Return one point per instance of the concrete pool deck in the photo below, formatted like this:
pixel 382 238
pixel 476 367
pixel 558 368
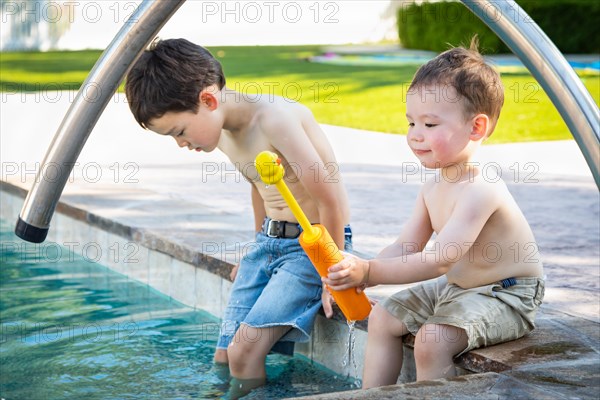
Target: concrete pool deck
pixel 139 187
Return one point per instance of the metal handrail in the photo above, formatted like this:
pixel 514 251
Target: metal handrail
pixel 93 96
pixel 550 68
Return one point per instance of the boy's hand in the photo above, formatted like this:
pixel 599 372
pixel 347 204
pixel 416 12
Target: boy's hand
pixel 350 272
pixel 328 301
pixel 234 271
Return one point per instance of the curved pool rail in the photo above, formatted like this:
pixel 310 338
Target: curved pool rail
pixel 550 68
pixel 93 96
pixel 505 18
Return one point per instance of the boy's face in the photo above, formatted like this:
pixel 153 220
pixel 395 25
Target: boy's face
pixel 438 133
pixel 200 131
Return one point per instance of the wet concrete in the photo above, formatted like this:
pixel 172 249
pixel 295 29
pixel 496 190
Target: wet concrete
pixel 195 207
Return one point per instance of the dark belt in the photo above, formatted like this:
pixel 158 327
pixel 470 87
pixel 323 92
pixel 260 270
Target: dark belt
pixel 281 229
pixel 508 282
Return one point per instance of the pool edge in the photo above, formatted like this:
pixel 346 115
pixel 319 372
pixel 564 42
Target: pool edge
pixel 169 267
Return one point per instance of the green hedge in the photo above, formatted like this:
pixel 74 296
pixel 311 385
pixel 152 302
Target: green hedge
pixel 571 24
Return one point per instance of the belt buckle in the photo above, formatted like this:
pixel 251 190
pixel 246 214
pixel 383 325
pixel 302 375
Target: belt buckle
pixel 268 233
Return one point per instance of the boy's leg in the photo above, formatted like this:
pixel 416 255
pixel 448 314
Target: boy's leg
pixel 250 281
pixel 484 316
pixel 383 355
pixel 249 348
pixel 290 296
pixel 289 300
pixel 221 356
pixel 435 348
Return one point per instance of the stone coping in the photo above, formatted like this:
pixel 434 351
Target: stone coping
pixel 144 237
pixel 558 339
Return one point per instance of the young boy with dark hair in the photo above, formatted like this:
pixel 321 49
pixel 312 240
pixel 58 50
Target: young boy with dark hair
pixel 482 272
pixel 178 89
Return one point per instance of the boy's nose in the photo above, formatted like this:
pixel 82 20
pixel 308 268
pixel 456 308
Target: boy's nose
pixel 415 136
pixel 181 143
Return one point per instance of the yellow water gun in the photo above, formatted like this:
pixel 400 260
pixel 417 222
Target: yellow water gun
pixel 314 239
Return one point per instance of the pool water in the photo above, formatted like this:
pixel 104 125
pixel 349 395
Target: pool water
pixel 74 329
pixel 406 57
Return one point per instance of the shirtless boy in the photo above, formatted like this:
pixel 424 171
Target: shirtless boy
pixel 177 89
pixel 482 270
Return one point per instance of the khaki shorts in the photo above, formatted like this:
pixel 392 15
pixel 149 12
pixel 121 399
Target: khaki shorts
pixel 489 314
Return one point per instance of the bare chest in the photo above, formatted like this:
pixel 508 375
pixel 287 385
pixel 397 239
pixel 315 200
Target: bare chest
pixel 440 203
pixel 242 150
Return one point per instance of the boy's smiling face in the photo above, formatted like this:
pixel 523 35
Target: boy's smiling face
pixel 438 134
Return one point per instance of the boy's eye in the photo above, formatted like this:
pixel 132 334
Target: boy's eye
pixel 180 133
pixel 430 125
pixel 411 124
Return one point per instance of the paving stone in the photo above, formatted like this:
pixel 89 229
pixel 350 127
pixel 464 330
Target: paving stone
pixel 550 341
pixel 573 379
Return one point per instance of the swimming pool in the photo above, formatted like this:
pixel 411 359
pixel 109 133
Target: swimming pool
pixel 504 63
pixel 72 329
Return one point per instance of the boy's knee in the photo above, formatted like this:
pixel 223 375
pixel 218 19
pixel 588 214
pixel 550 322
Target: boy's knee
pixel 237 355
pixel 425 353
pixel 378 317
pixel 237 351
pixel 380 320
pixel 241 355
pixel 434 341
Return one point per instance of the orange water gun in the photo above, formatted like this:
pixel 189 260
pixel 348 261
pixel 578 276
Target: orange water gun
pixel 314 239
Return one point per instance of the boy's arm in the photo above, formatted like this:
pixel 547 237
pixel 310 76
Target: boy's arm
pixel 413 239
pixel 289 138
pixel 258 206
pixel 472 211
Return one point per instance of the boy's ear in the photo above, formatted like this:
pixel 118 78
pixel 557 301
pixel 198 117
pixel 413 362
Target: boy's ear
pixel 208 99
pixel 480 127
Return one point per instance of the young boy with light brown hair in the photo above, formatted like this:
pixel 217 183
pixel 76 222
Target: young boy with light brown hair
pixel 481 274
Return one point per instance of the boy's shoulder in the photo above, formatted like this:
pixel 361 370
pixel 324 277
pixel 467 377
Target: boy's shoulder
pixel 280 122
pixel 271 115
pixel 277 124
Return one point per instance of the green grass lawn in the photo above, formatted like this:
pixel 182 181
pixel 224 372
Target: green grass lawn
pixel 369 98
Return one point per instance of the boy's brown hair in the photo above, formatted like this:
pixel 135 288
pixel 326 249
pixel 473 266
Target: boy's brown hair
pixel 476 82
pixel 169 76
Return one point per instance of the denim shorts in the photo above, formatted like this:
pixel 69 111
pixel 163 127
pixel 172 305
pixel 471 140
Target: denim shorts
pixel 489 314
pixel 276 285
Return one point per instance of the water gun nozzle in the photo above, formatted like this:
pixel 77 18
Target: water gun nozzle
pixel 269 167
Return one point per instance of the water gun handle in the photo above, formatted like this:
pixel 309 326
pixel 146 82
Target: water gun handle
pixel 323 253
